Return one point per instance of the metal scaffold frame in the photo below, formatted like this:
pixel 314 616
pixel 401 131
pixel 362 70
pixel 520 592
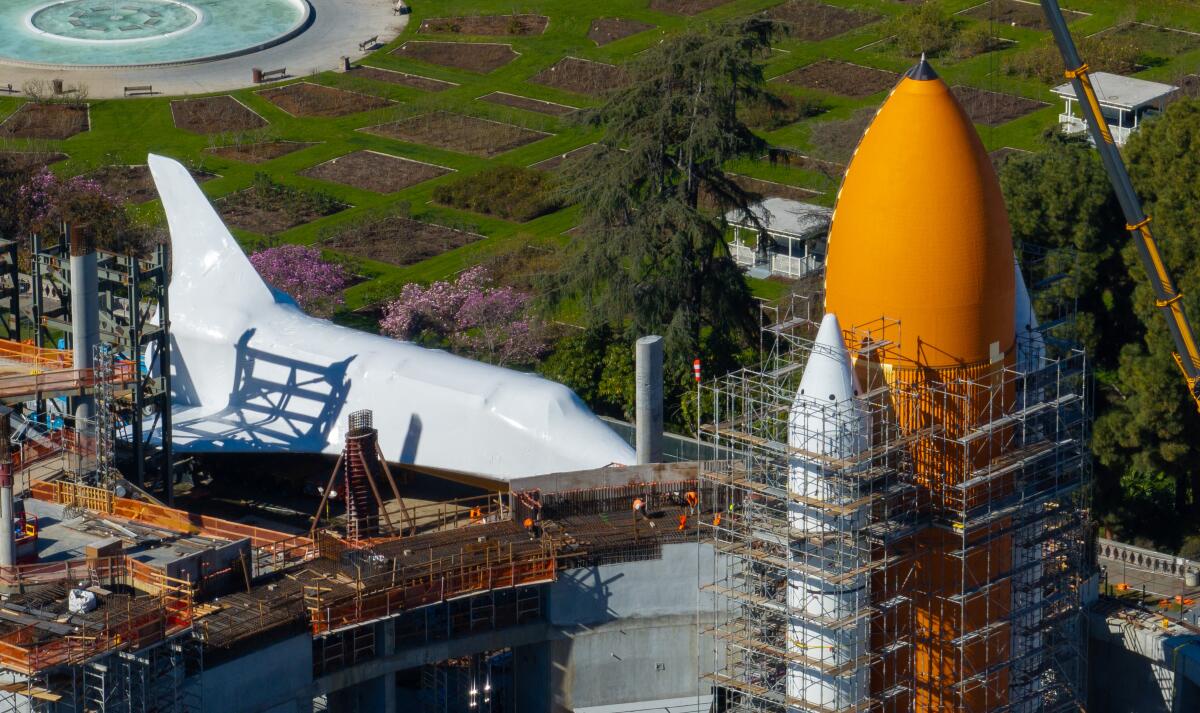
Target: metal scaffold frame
pixel 953 593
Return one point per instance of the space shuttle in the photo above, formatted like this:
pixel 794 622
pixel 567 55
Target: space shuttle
pixel 251 372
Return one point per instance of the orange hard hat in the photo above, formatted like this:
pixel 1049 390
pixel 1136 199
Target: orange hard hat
pixel 637 503
pixel 690 496
pixel 528 522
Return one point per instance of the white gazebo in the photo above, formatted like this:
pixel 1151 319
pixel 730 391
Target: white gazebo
pixel 795 235
pixel 1124 102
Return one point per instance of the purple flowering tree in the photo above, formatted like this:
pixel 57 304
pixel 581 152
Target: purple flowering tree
pixel 469 316
pixel 300 271
pixel 47 202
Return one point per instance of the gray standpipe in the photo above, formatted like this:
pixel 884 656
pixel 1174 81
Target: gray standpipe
pixel 8 546
pixel 85 312
pixel 649 418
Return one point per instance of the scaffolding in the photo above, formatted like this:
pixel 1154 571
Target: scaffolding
pixel 938 567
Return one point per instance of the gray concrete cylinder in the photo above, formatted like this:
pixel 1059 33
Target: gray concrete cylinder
pixel 648 354
pixel 85 313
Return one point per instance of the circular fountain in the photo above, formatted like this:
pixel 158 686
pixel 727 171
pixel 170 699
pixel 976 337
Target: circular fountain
pixel 129 33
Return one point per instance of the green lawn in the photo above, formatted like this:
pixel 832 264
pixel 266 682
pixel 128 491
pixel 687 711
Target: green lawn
pixel 123 131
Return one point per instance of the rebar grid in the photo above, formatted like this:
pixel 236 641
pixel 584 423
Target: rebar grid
pixel 963 533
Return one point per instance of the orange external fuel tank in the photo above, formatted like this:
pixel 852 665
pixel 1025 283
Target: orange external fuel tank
pixel 920 261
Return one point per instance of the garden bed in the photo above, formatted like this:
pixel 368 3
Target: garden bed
pixel 471 56
pixel 686 7
pixel 459 133
pixel 134 184
pixel 1017 13
pixel 399 241
pixel 214 115
pixel 268 208
pixel 37 120
pixel 795 159
pixel 536 105
pixel 259 152
pixel 812 21
pixel 507 192
pixel 844 78
pixel 1155 45
pixel 582 76
pixel 993 108
pixel 412 81
pixel 487 25
pixel 610 29
pixel 29 160
pixel 374 171
pixel 836 140
pixel 309 100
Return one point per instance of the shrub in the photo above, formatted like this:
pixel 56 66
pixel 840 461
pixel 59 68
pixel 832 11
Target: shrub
pixel 772 111
pixel 974 40
pixel 269 194
pixel 314 283
pixel 508 192
pixel 1104 53
pixel 925 28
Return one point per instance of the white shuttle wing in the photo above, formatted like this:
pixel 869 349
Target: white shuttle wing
pixel 251 372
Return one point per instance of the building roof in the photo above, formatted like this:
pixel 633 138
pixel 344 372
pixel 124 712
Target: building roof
pixel 920 233
pixel 1121 92
pixel 785 216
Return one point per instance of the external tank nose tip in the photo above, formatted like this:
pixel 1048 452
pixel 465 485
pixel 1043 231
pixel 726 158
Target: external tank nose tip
pixel 921 71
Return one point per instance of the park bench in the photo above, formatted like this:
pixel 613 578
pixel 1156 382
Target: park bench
pixel 139 89
pixel 269 74
pixel 8 88
pixel 368 43
pixel 401 8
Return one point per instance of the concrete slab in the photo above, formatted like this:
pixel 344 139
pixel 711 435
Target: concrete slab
pixel 337 28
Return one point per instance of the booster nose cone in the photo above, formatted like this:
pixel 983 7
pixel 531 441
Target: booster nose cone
pixel 920 233
pixel 826 418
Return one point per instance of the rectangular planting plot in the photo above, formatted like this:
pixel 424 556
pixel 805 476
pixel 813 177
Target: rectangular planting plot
pixel 457 132
pixel 268 207
pixel 582 76
pixel 554 163
pixel 611 29
pixel 133 184
pixel 487 25
pixel 1018 13
pixel 46 121
pixel 519 102
pixel 993 108
pixel 214 115
pixel 471 56
pixel 413 81
pixel 812 21
pixel 399 241
pixel 837 77
pixel 685 7
pixel 1155 44
pixel 27 160
pixel 375 172
pixel 260 152
pixel 305 99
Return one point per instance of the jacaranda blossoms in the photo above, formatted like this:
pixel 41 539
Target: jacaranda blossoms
pixel 313 282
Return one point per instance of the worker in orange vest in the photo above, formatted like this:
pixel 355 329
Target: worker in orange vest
pixel 639 508
pixel 692 500
pixel 531 527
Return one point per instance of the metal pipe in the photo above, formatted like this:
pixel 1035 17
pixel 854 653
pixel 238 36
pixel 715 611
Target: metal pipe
pixel 85 313
pixel 8 545
pixel 648 353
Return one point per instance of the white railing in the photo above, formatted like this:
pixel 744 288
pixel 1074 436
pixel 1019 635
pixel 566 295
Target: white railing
pixel 1144 559
pixel 1074 125
pixel 742 255
pixel 793 266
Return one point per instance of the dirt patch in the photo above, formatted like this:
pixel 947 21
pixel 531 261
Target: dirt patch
pixel 260 152
pixel 685 7
pixel 813 21
pixel 133 184
pixel 555 163
pixel 413 81
pixel 214 115
pixel 610 29
pixel 836 140
pixel 35 120
pixel 471 56
pixel 766 189
pixel 831 75
pixel 1155 45
pixel 1189 86
pixel 582 76
pixel 268 208
pixel 376 172
pixel 457 132
pixel 29 160
pixel 537 105
pixel 305 99
pixel 397 240
pixel 1016 12
pixel 487 25
pixel 993 108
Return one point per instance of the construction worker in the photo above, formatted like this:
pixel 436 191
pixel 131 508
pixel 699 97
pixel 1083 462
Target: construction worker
pixel 639 508
pixel 692 500
pixel 532 528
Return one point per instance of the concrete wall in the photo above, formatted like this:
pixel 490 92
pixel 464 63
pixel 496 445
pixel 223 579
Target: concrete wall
pixel 1138 669
pixel 274 679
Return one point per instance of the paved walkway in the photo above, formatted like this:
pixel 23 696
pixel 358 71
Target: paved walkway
pixel 337 28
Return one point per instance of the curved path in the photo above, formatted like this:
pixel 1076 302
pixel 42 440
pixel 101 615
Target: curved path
pixel 337 28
